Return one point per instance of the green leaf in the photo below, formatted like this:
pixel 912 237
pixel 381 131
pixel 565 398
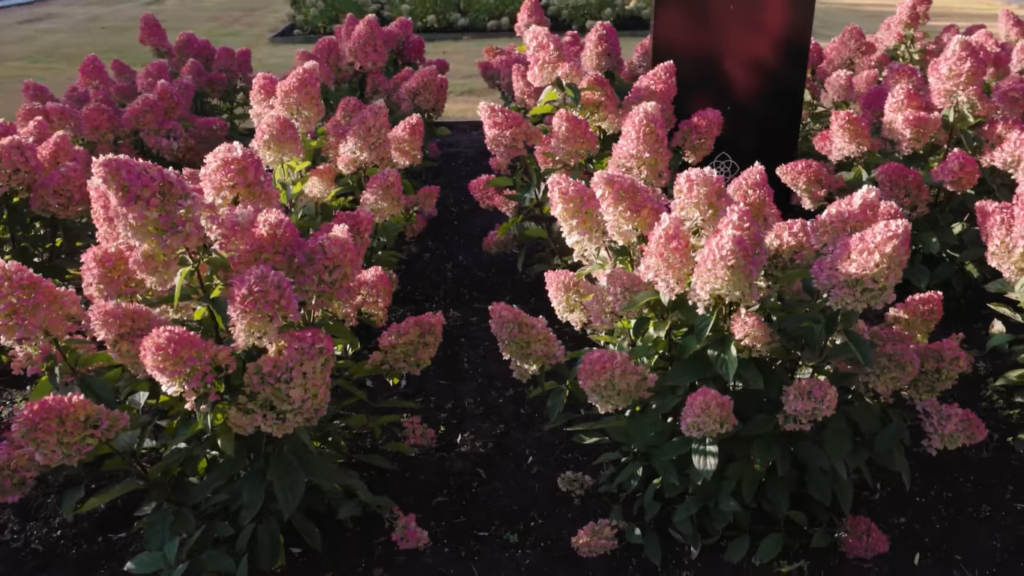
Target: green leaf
pixel 116 491
pixel 254 489
pixel 1012 378
pixel 652 547
pixel 838 440
pixel 158 529
pixel 289 482
pixel 918 275
pixel 997 340
pixel 821 538
pixel 268 544
pixel 769 548
pixel 1006 311
pixel 705 456
pixel 41 390
pixel 310 533
pixel 98 390
pixel 726 503
pixel 799 517
pixel 556 402
pixel 639 300
pixel 889 438
pixel 723 357
pixel 748 374
pixel 243 566
pixel 501 182
pixel 541 110
pixel 442 131
pixel 704 324
pixel 180 569
pixel 215 561
pixel 226 440
pixel 737 549
pixel 146 563
pixel 242 542
pixel 861 347
pixel 375 460
pixel 820 486
pixel 70 499
pixel 688 370
pixel 999 286
pixel 844 493
pixel 179 281
pixel 758 425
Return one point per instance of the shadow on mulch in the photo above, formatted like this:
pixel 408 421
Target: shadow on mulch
pixel 488 494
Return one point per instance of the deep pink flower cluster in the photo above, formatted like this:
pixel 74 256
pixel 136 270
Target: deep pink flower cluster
pixel 184 363
pixel 569 142
pixel 667 260
pixel 700 199
pixel 848 137
pixel 578 212
pixel 260 301
pixel 569 295
pixel 233 175
pixel 629 207
pixel 18 472
pixel 941 363
pixel 507 134
pixel 408 346
pixel 730 262
pixel 751 189
pixel 859 537
pixel 61 430
pixel 642 150
pixel 601 50
pixel 121 326
pixel 895 362
pixel 753 335
pixel 596 539
pixel 811 182
pixel 852 214
pixel 525 341
pixel 948 426
pixel 612 381
pixel 383 196
pixel 917 315
pixel 1001 225
pixel 707 414
pixel 806 401
pixel 52 175
pixel 530 14
pixel 657 86
pixel 417 433
pixel 287 388
pixel 407 534
pixel 959 172
pixel 905 187
pixel 33 312
pixel 863 269
pixel 696 135
pixel 491 197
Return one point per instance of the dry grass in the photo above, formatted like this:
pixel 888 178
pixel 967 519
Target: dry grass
pixel 46 41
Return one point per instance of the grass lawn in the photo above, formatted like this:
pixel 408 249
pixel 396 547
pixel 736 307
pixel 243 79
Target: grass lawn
pixel 47 41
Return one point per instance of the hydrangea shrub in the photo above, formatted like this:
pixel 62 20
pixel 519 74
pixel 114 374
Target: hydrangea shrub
pixel 931 121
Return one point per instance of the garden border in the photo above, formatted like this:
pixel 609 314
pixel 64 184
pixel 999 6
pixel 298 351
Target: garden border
pixel 285 35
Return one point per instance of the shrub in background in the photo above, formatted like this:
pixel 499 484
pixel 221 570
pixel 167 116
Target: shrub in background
pixel 173 111
pixel 320 16
pixel 934 123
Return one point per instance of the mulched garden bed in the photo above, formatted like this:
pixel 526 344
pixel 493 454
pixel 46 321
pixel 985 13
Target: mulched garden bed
pixel 488 494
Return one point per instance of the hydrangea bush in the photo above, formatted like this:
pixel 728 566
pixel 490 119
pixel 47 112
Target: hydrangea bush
pixel 749 370
pixel 933 122
pixel 215 367
pixel 173 111
pixel 575 112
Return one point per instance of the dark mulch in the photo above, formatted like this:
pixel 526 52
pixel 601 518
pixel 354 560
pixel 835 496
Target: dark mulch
pixel 488 495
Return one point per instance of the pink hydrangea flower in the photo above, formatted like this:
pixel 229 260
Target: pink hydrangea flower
pixel 578 212
pixel 917 315
pixel 568 294
pixel 838 88
pixel 409 346
pixel 731 260
pixel 406 142
pixel 490 197
pixel 1011 27
pixel 18 471
pixel 262 96
pixel 248 237
pixel 383 196
pixel 696 135
pixel 332 258
pixel 700 198
pixel 790 244
pixel 860 538
pixel 277 140
pixel 234 175
pixel 374 291
pixel 153 36
pixel 287 388
pixel 298 97
pixel 811 181
pixel 942 362
pixel 32 309
pixel 19 165
pixel 525 341
pixel 948 426
pixel 612 381
pixel 642 59
pixel 61 430
pixel 121 326
pixel 1008 155
pixel 850 136
pixel 851 214
pixel 320 184
pixel 497 242
pixel 61 191
pixel 425 92
pixel 657 86
pixel 596 539
pixel 366 46
pixel 544 51
pixel 34 92
pixel 260 301
pixel 806 401
pixel 417 433
pixel 896 362
pixel 751 189
pixel 957 76
pixel 905 187
pixel 753 335
pixel 601 50
pixel 667 260
pixel 629 208
pixel 619 286
pixel 107 274
pixel 530 14
pixel 507 134
pixel 1001 225
pixel 569 142
pixel 642 150
pixel 526 94
pixel 863 269
pixel 184 363
pixel 959 172
pixel 707 414
pixel 364 142
pixel 599 104
pixel 407 534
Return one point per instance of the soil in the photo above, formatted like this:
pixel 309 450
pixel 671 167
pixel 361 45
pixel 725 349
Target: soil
pixel 487 493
